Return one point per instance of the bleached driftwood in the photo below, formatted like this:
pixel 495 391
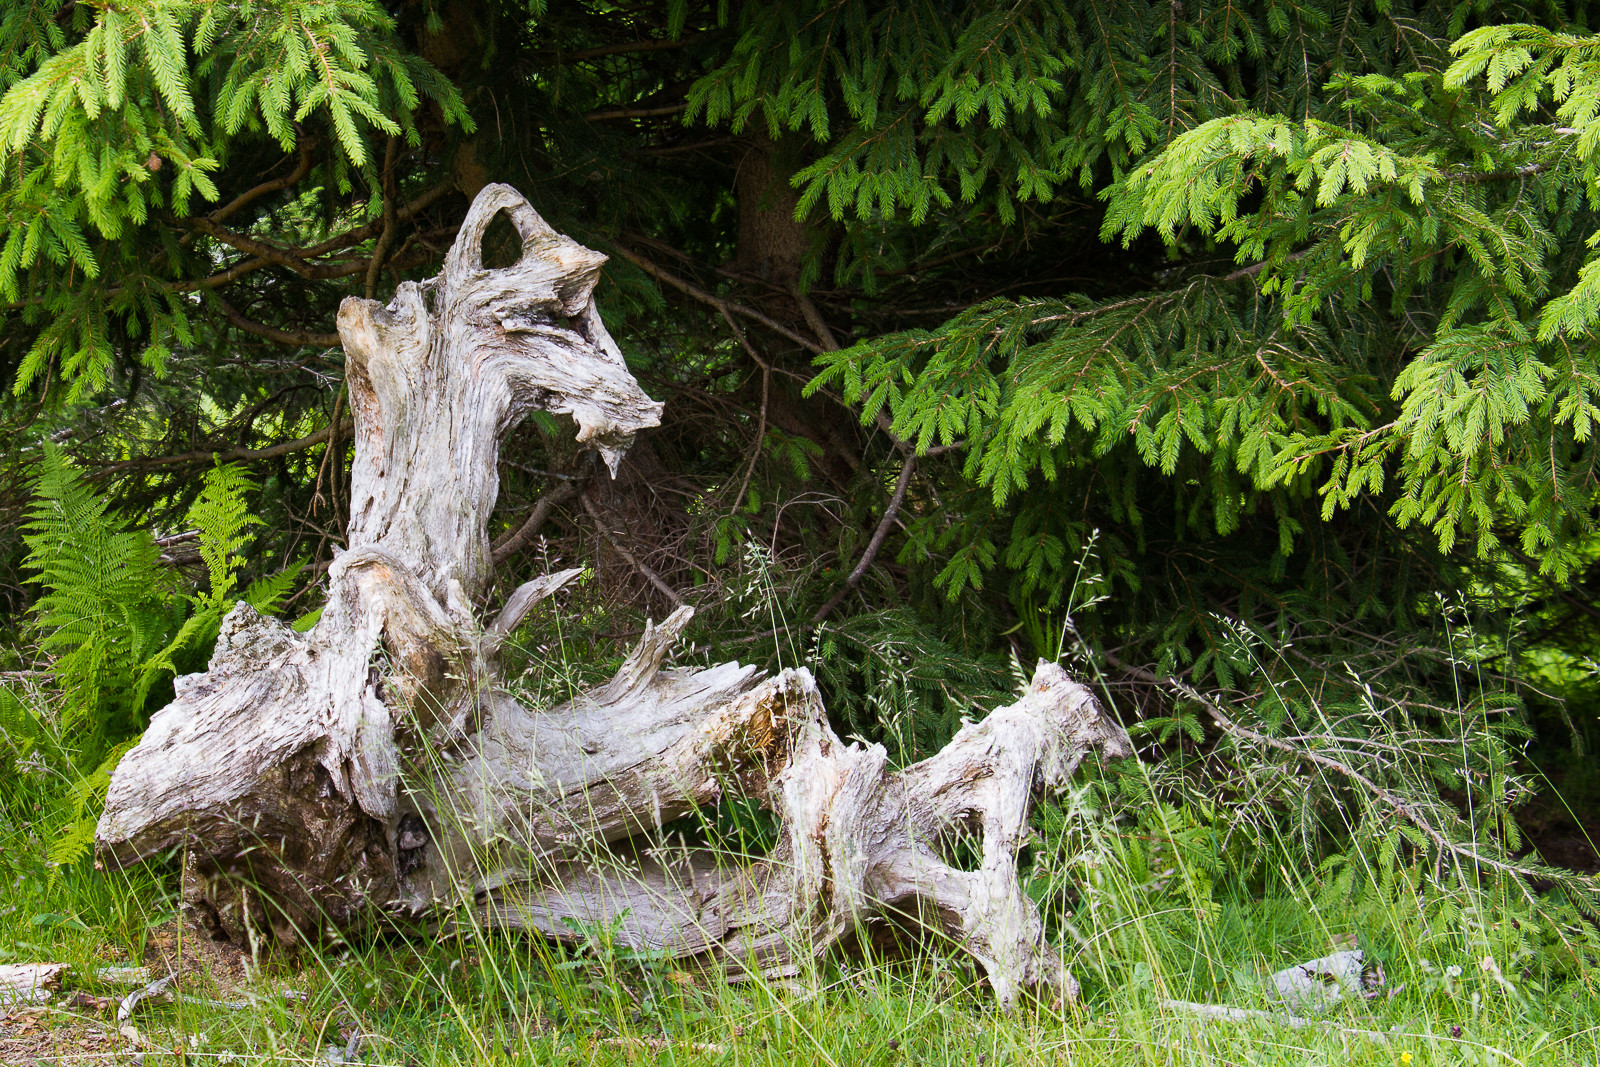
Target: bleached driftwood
pixel 26 984
pixel 860 843
pixel 376 767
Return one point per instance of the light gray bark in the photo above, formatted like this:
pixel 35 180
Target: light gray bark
pixel 376 768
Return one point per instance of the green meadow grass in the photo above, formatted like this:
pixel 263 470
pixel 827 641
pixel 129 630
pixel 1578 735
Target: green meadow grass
pixel 482 996
pixel 1148 903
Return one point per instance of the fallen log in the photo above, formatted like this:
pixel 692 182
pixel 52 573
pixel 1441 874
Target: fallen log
pixel 377 769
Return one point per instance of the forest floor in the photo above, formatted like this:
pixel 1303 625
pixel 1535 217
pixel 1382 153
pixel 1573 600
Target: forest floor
pixel 481 997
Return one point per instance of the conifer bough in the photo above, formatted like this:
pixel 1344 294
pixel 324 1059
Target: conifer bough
pixel 376 768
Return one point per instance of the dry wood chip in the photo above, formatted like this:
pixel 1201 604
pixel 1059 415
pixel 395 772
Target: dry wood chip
pixel 28 983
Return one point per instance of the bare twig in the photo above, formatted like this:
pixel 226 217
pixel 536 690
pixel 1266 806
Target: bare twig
pixel 635 112
pixel 661 274
pixel 908 468
pixel 908 460
pixel 1403 806
pixel 380 249
pixel 327 453
pixel 681 149
pixel 637 564
pixel 766 386
pixel 176 539
pixel 513 542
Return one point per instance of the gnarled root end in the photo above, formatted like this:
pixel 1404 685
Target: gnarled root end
pixel 861 845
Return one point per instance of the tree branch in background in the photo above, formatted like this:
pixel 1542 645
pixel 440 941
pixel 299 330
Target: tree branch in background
pixel 635 112
pixel 629 48
pixel 682 149
pixel 221 455
pixel 380 249
pixel 514 542
pixel 273 333
pixel 342 241
pixel 267 253
pixel 815 320
pixel 639 565
pixel 879 535
pixel 302 167
pixel 661 274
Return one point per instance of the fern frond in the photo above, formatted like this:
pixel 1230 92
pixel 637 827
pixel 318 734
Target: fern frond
pixel 222 516
pixel 266 594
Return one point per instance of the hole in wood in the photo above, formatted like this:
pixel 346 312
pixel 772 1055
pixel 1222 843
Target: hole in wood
pixel 960 845
pixel 738 826
pixel 502 245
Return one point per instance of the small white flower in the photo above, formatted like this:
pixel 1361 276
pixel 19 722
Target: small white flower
pixel 1452 971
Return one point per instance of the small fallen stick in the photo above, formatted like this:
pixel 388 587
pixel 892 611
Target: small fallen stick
pixel 661 1044
pixel 159 988
pixel 1229 1013
pixel 25 984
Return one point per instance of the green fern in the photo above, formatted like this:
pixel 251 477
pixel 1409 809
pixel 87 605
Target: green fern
pixel 80 810
pixel 222 517
pixel 19 726
pixel 108 605
pixel 115 624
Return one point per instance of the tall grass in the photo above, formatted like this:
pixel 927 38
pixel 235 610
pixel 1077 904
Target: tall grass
pixel 1152 896
pixel 477 994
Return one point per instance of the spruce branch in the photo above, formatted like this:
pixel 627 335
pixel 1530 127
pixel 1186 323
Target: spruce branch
pixel 689 288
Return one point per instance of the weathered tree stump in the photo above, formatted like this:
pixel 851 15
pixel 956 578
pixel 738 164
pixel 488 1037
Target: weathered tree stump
pixel 375 768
